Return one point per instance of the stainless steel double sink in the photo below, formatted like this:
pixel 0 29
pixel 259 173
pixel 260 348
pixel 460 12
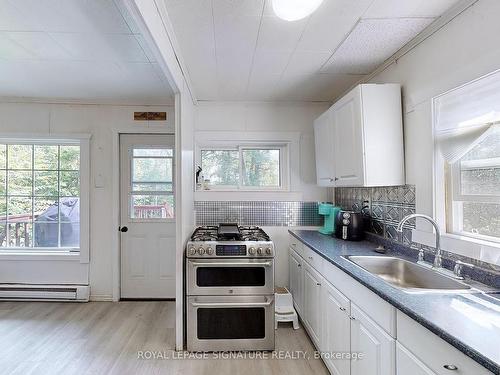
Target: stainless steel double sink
pixel 408 276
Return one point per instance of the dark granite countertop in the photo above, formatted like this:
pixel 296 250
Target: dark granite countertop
pixel 469 321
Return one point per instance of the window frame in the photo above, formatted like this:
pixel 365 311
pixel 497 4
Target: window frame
pixel 82 140
pixel 284 164
pixel 453 203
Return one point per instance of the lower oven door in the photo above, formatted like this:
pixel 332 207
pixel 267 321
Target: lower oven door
pixel 226 276
pixel 227 323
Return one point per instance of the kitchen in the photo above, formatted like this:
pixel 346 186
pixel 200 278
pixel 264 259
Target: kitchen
pixel 301 129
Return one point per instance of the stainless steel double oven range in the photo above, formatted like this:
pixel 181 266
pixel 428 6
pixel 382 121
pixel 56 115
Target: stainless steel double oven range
pixel 230 289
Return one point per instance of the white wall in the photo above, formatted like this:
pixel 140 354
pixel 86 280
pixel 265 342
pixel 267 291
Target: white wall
pixel 463 50
pixel 270 117
pixel 97 120
pixel 275 118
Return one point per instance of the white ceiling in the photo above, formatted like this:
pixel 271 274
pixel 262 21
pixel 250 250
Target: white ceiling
pixel 76 49
pixel 239 50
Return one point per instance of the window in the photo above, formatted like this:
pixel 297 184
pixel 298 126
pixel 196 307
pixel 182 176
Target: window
pixel 244 167
pixel 467 133
pixel 40 195
pixel 474 182
pixel 151 186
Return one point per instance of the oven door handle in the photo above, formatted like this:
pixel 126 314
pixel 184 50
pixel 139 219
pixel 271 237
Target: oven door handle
pixel 268 302
pixel 223 264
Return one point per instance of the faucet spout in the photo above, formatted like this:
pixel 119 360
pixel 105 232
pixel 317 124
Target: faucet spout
pixel 437 259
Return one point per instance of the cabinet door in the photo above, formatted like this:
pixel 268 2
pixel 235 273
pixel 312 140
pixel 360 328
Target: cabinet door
pixel 324 143
pixel 408 364
pixel 312 304
pixel 348 150
pixel 336 335
pixel 376 346
pixel 296 280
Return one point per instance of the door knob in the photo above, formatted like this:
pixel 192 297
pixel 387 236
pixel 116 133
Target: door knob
pixel 123 229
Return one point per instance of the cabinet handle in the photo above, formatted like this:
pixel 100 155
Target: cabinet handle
pixel 451 367
pixel 342 308
pixel 310 258
pixel 294 244
pixel 352 317
pixel 318 284
pixel 336 178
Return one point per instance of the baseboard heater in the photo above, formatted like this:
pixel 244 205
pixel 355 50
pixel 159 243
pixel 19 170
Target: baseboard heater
pixel 37 292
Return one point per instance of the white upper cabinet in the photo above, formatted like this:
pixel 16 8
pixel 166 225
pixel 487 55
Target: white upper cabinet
pixel 359 140
pixel 324 139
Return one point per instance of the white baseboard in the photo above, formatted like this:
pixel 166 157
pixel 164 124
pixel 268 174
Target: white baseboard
pixel 101 298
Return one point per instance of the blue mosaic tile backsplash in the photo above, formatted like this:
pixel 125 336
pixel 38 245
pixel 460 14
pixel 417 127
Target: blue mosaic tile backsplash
pixel 262 213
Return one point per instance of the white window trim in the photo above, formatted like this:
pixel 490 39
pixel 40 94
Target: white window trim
pixel 83 252
pixel 287 142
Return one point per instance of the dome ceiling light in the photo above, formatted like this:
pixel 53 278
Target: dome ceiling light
pixel 293 10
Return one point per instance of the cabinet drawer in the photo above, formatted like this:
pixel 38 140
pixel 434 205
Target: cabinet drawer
pixel 296 245
pixel 433 351
pixel 314 259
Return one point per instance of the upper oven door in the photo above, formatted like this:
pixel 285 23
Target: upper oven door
pixel 230 276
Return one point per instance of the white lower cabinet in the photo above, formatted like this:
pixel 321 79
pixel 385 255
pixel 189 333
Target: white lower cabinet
pixel 376 346
pixel 341 316
pixel 296 280
pixel 335 311
pixel 312 303
pixel 408 364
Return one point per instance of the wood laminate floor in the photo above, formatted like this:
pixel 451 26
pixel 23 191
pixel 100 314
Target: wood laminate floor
pixel 110 338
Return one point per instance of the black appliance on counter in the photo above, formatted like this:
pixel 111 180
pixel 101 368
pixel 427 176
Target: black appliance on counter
pixel 349 225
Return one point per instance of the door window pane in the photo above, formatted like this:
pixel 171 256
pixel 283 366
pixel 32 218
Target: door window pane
pixel 153 152
pixel 3 156
pixel 152 187
pixel 220 167
pixel 261 168
pixel 3 175
pixel 152 170
pixel 152 207
pixel 69 183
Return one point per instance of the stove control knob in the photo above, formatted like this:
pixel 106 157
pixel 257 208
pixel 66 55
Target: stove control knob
pixel 209 250
pixel 192 250
pixel 251 251
pixel 201 251
pixel 268 251
pixel 259 251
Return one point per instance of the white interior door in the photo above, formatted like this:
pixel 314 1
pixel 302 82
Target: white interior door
pixel 147 216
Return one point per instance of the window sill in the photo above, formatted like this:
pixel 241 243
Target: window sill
pixel 239 195
pixel 39 255
pixel 482 250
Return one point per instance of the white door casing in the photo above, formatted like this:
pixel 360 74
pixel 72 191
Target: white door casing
pixel 147 216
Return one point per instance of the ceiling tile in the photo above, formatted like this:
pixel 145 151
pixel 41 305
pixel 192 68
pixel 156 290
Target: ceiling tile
pixel 268 62
pixel 86 46
pixel 71 15
pixel 408 8
pixel 262 87
pixel 238 7
pixel 372 42
pixel 40 44
pixel 330 24
pixel 278 35
pixel 306 62
pixel 315 87
pixel 10 50
pixel 236 33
